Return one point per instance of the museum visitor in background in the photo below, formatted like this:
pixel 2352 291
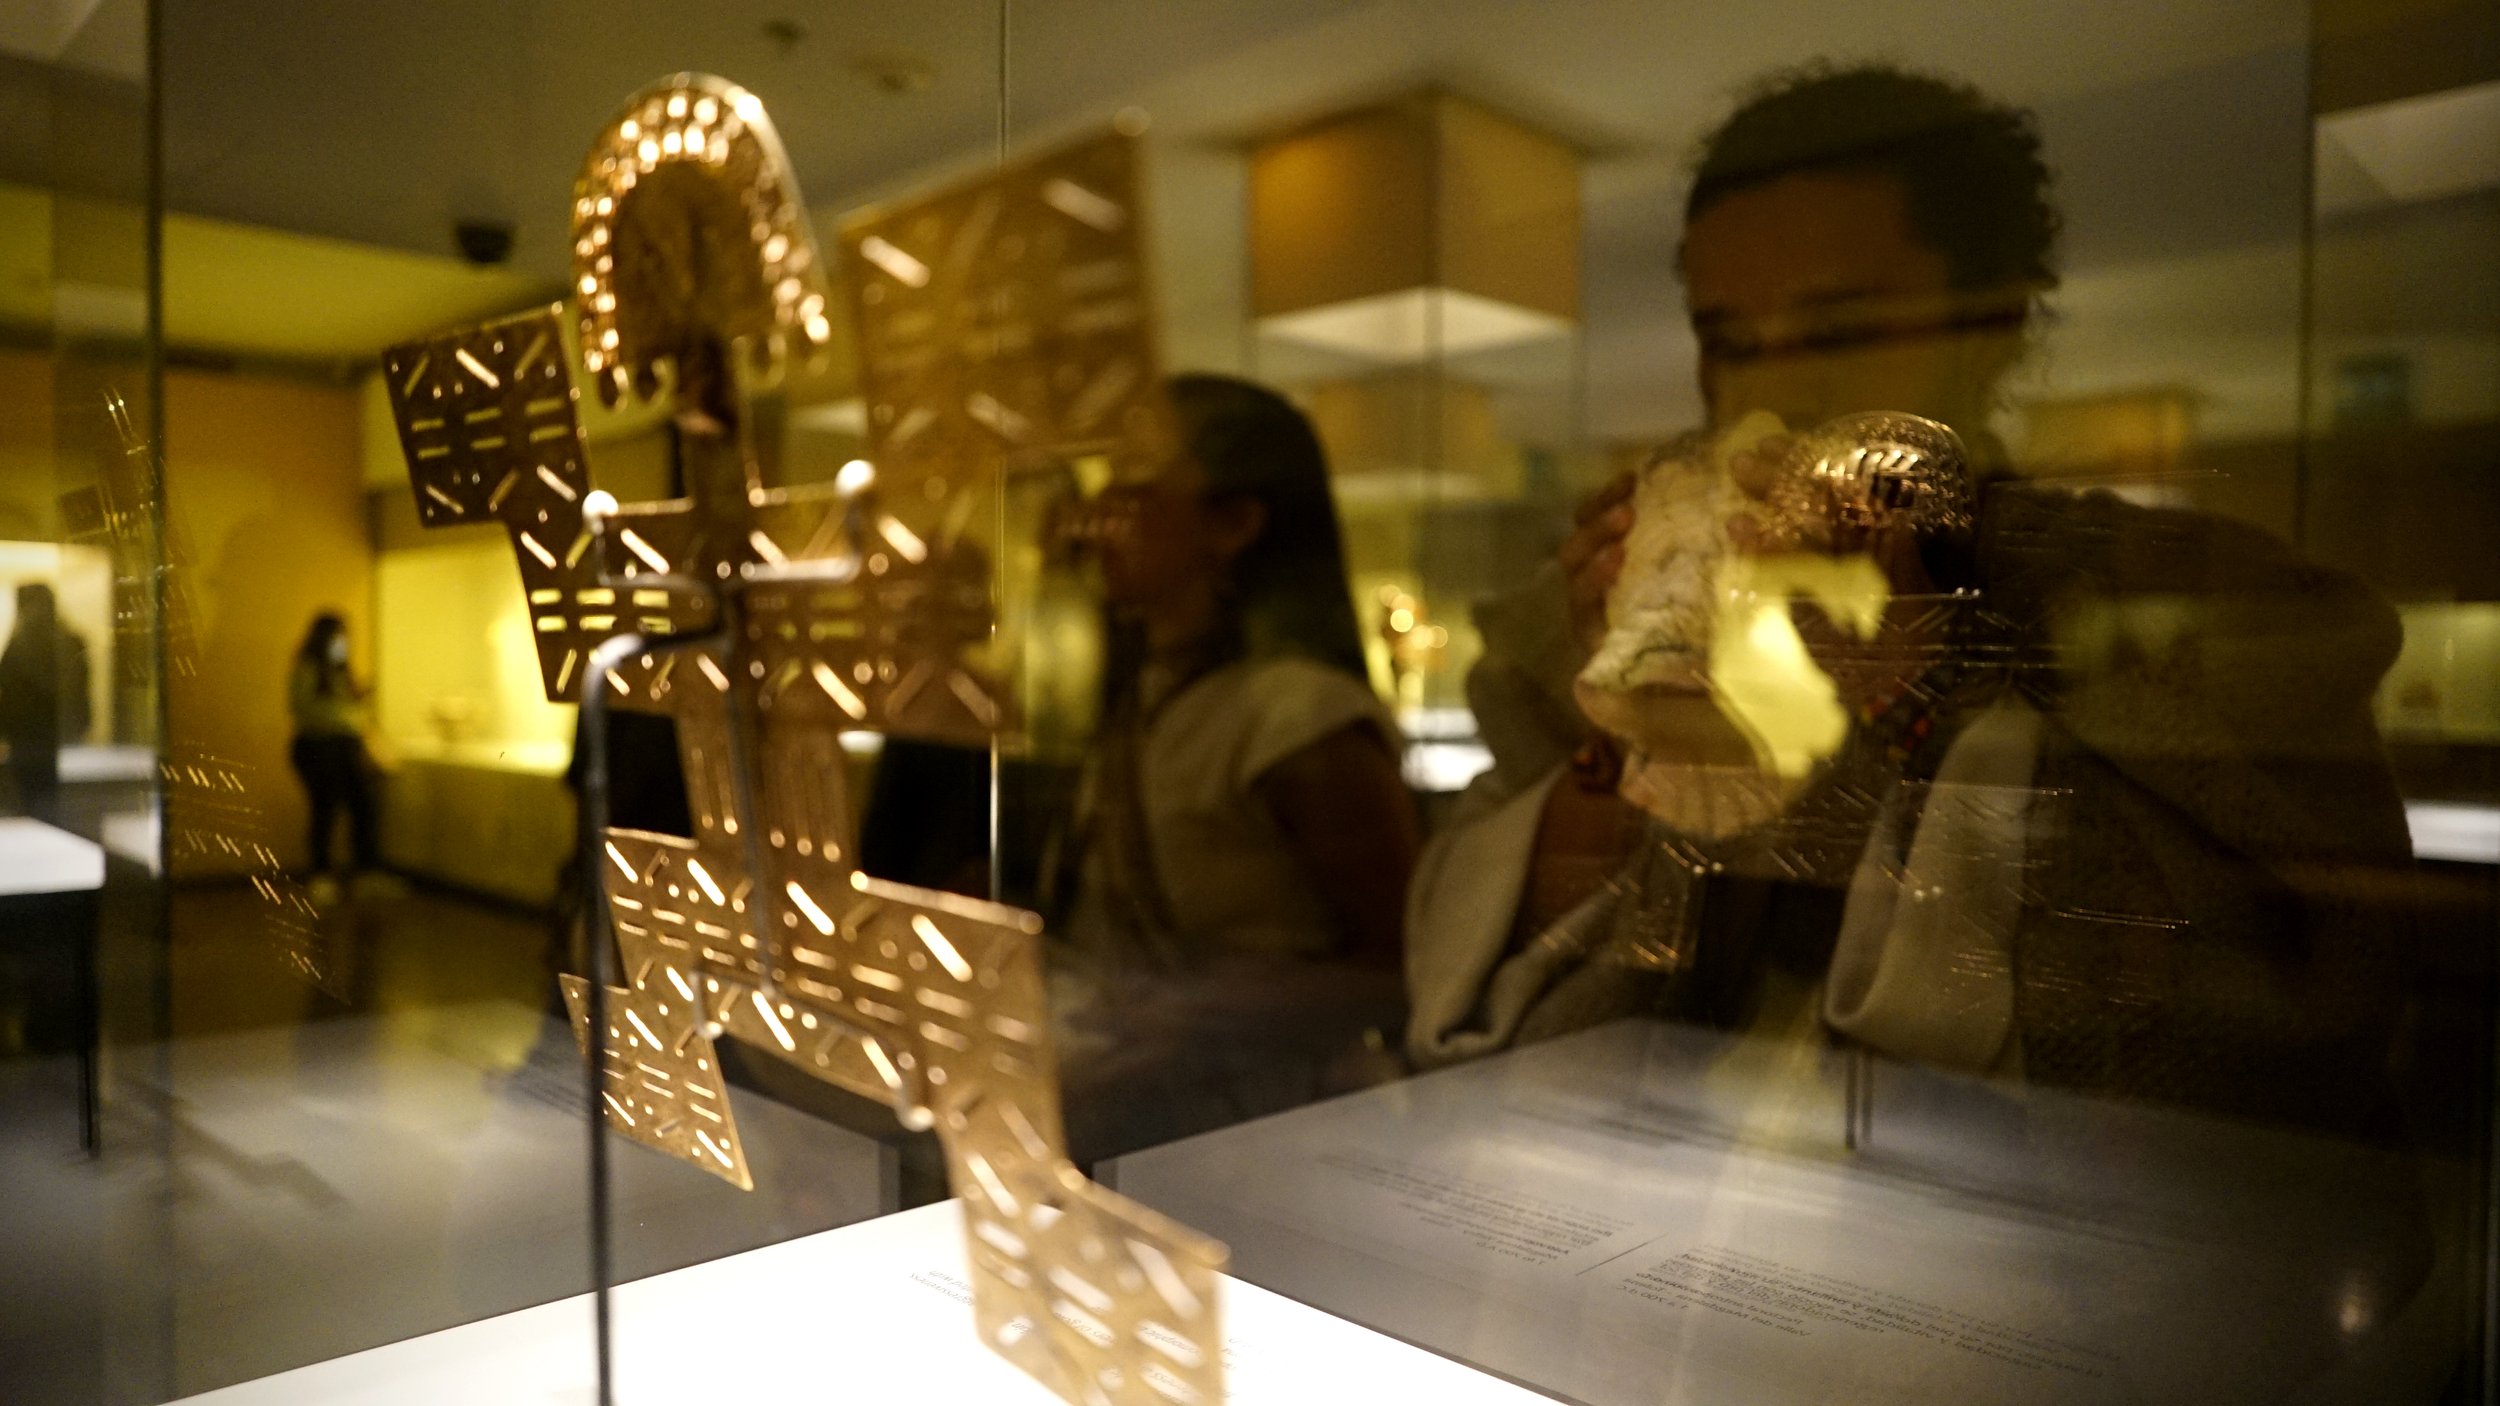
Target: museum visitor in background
pixel 44 701
pixel 1233 880
pixel 328 751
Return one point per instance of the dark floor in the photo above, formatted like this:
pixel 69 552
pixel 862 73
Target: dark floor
pixel 353 1135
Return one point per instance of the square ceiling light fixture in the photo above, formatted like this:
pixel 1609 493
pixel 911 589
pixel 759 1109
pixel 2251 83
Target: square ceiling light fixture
pixel 1430 226
pixel 2417 149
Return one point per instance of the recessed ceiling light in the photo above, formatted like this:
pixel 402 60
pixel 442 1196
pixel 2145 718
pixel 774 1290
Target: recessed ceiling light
pixel 2415 149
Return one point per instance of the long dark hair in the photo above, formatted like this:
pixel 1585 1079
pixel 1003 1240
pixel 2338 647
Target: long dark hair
pixel 1286 592
pixel 329 674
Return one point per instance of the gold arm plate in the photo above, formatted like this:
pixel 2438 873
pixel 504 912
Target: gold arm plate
pixel 660 1080
pixel 1125 1300
pixel 1009 318
pixel 878 645
pixel 486 416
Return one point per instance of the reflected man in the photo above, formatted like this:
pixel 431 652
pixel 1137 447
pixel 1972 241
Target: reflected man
pixel 2107 770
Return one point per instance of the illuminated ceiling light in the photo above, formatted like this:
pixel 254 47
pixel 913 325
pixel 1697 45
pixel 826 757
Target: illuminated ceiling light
pixel 2431 147
pixel 1416 323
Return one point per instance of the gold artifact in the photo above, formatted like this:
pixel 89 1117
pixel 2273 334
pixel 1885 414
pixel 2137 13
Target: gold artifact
pixel 1701 672
pixel 1001 322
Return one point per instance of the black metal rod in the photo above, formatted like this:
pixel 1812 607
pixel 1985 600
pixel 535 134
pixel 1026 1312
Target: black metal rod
pixel 597 944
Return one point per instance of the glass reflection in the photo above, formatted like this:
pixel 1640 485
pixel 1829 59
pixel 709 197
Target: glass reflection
pixel 2100 809
pixel 1891 954
pixel 1235 871
pixel 2073 811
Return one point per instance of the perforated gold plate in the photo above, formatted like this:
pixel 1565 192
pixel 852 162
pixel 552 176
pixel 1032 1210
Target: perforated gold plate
pixel 1009 318
pixel 486 417
pixel 774 620
pixel 660 1079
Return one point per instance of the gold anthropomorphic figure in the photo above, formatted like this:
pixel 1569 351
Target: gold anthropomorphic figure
pixel 1000 323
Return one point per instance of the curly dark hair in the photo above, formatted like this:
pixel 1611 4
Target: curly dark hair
pixel 1977 187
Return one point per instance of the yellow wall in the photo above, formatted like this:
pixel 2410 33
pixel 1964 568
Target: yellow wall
pixel 27 486
pixel 30 485
pixel 268 513
pixel 460 665
pixel 2445 687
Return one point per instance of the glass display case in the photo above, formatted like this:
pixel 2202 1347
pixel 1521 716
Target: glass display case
pixel 1328 701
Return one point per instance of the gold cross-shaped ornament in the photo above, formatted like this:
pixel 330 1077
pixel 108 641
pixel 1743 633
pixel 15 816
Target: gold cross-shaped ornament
pixel 1000 322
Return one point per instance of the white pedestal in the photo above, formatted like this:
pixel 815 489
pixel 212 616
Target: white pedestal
pixel 36 858
pixel 872 1313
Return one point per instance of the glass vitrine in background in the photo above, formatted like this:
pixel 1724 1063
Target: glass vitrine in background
pixel 1414 273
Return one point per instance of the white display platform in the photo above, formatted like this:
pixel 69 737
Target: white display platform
pixel 876 1312
pixel 36 858
pixel 135 835
pixel 2453 831
pixel 1601 1216
pixel 92 761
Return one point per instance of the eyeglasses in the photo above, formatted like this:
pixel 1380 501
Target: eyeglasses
pixel 1849 328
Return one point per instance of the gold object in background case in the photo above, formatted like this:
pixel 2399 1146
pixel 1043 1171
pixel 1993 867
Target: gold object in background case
pixel 1003 322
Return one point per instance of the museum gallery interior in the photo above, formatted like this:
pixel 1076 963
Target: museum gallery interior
pixel 1255 701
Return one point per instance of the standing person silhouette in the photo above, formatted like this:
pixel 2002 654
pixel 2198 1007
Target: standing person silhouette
pixel 328 751
pixel 43 699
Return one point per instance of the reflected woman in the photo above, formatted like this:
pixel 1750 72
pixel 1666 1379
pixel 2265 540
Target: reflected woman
pixel 1243 837
pixel 328 751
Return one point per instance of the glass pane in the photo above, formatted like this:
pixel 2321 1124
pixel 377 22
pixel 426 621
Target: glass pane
pixel 82 975
pixel 1931 873
pixel 1628 708
pixel 371 1100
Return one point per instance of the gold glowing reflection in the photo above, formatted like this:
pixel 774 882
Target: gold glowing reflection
pixel 1761 673
pixel 1703 674
pixel 213 813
